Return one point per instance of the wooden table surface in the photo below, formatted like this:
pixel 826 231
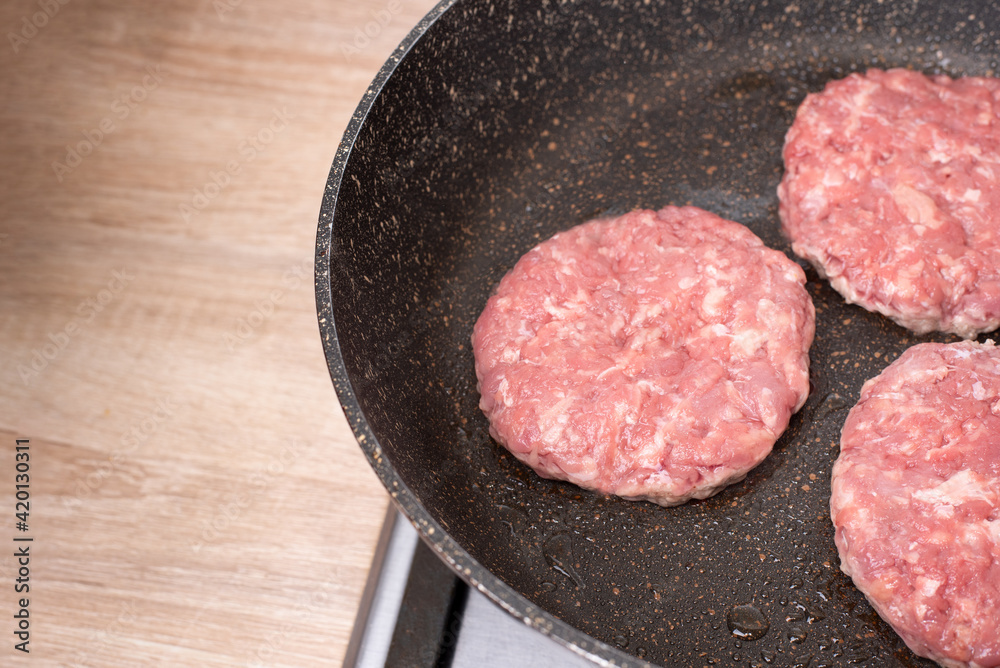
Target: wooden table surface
pixel 196 497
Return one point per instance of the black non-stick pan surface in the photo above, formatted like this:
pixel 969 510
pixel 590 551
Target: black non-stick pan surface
pixel 497 124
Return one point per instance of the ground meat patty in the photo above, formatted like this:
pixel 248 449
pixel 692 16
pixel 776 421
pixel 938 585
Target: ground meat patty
pixel 654 356
pixel 891 190
pixel 916 500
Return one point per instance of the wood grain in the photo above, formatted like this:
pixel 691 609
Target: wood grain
pixel 197 497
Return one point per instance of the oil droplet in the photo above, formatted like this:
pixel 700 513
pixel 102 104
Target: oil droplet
pixel 747 622
pixel 832 403
pixel 621 641
pixel 512 518
pixel 548 586
pixel 767 656
pixel 797 634
pixel 859 654
pixel 558 551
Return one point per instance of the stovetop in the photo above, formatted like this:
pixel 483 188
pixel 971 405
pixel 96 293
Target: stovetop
pixel 417 614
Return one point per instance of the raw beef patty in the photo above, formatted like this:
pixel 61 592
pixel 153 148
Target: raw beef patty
pixel 654 356
pixel 891 191
pixel 916 500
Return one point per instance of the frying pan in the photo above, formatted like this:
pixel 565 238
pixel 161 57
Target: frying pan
pixel 500 122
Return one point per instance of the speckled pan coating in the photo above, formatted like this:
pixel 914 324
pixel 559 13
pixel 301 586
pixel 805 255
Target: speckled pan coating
pixel 494 126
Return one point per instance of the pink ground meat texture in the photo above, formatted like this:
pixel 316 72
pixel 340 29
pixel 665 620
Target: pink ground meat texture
pixel 916 493
pixel 891 191
pixel 654 356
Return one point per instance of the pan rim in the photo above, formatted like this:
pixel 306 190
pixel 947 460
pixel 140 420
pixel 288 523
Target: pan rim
pixel 429 530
